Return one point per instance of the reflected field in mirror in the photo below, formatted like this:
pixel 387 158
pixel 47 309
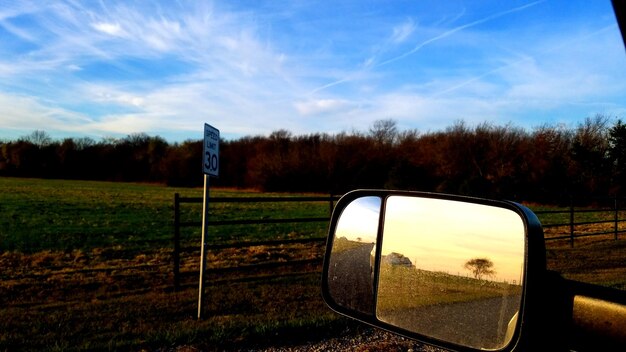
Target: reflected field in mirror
pixel 451 270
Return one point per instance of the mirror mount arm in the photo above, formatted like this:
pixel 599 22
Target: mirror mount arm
pixel 597 317
pixel 548 314
pixel 546 308
pixel 572 315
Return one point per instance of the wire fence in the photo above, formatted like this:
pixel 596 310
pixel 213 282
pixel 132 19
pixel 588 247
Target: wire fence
pixel 570 223
pixel 606 217
pixel 178 224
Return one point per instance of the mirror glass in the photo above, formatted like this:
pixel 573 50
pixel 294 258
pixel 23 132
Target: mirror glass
pixel 350 270
pixel 451 270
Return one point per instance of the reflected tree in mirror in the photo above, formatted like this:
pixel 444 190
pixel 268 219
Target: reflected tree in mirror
pixel 424 285
pixel 350 273
pixel 480 267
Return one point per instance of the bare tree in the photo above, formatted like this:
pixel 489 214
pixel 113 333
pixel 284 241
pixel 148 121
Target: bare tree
pixel 590 154
pixel 39 138
pixel 480 267
pixel 384 131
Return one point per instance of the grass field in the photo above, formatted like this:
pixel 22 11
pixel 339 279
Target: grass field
pixel 410 288
pixel 88 266
pixel 598 260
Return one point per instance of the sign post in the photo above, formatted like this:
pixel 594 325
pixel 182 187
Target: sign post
pixel 210 167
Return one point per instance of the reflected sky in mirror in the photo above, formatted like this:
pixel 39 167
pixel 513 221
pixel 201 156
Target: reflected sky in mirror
pixel 442 235
pixel 359 220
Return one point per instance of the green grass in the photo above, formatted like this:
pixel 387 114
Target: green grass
pixel 65 215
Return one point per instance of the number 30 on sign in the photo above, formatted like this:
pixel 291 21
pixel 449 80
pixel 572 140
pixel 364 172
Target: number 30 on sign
pixel 211 164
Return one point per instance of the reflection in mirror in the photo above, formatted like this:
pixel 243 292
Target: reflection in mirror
pixel 451 270
pixel 351 263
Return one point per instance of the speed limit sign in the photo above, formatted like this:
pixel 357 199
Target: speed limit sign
pixel 211 162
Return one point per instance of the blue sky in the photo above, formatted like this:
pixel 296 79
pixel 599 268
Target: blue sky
pixel 111 68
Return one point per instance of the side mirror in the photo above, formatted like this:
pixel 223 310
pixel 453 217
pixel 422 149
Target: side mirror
pixel 447 270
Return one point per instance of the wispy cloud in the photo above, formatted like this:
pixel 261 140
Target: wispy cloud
pixel 113 29
pixel 218 55
pixel 403 31
pixel 321 106
pixel 18 110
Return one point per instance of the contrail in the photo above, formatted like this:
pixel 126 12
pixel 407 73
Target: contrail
pixel 431 40
pixel 457 29
pixel 349 78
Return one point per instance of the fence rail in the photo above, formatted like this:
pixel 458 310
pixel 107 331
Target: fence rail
pixel 178 224
pixel 572 233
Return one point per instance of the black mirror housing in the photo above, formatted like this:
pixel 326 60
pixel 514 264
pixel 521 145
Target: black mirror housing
pixel 392 259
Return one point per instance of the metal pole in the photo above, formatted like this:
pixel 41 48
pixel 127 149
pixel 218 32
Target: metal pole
pixel 205 227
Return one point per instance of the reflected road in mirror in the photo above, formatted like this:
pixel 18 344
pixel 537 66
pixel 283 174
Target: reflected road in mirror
pixel 451 270
pixel 350 271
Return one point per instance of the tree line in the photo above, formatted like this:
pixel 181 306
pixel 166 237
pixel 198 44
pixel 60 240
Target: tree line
pixel 549 163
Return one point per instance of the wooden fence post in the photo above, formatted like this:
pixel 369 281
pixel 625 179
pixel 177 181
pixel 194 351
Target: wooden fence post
pixel 616 217
pixel 176 254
